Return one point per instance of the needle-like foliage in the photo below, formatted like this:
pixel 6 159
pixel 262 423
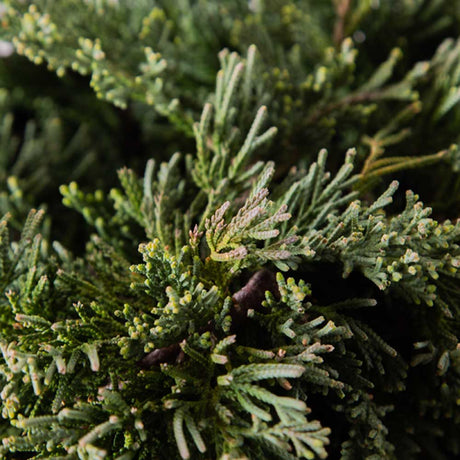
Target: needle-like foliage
pixel 270 286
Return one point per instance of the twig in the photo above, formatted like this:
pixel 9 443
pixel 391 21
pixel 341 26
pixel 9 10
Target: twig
pixel 168 354
pixel 342 7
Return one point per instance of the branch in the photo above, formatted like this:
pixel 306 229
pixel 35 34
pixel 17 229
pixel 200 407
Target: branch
pixel 342 8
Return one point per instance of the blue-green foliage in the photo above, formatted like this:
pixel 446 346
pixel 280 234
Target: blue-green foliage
pixel 208 316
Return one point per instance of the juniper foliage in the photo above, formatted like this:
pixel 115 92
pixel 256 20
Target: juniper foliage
pixel 247 297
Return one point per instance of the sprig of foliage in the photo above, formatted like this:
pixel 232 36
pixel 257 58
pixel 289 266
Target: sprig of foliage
pixel 170 335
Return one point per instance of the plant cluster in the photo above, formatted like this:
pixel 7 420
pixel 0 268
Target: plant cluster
pixel 268 292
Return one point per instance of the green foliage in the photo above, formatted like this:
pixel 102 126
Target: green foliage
pixel 248 297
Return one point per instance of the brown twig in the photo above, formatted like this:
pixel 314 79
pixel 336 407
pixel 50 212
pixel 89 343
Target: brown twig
pixel 168 354
pixel 342 8
pixel 252 294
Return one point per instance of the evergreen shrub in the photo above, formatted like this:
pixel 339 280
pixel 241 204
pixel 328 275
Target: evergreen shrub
pixel 262 280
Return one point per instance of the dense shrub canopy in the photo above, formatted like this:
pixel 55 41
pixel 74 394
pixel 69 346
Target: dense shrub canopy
pixel 262 279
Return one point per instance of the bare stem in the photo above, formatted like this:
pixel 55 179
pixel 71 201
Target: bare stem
pixel 342 8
